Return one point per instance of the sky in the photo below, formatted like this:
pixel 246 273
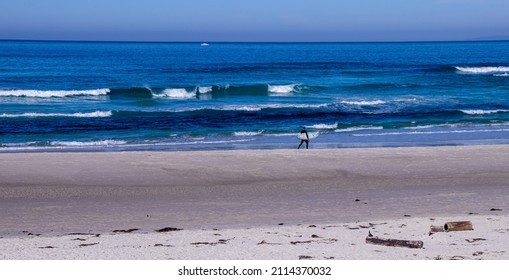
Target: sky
pixel 254 20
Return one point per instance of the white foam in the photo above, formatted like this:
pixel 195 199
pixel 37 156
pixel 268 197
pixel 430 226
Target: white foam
pixel 482 112
pixel 281 90
pixel 267 106
pixel 247 133
pixel 483 70
pixel 324 126
pixel 243 108
pixel 432 132
pixel 364 103
pixel 203 142
pixel 53 93
pixel 176 93
pixel 87 143
pixel 96 114
pixel 255 107
pixel 501 75
pixel 204 89
pixel 356 128
pixel 455 125
pixel 428 126
pixel 283 134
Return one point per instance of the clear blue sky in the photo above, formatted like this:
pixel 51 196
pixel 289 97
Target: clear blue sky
pixel 254 20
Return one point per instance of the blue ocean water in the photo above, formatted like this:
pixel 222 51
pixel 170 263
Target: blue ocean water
pixel 182 96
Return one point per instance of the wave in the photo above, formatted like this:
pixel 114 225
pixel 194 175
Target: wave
pixel 364 103
pixel 430 126
pixel 221 91
pixel 483 112
pixel 132 92
pixel 432 132
pixel 176 93
pixel 96 114
pixel 88 143
pixel 356 128
pixel 281 90
pixel 204 89
pixel 324 126
pixel 207 92
pixel 53 93
pixel 483 70
pixel 501 75
pixel 247 133
pixel 261 107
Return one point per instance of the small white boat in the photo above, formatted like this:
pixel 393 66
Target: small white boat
pixel 204 44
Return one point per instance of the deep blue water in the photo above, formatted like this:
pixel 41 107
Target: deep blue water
pixel 132 96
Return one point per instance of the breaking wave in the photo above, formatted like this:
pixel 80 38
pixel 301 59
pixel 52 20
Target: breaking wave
pixel 204 89
pixel 356 128
pixel 364 103
pixel 96 114
pixel 483 70
pixel 281 90
pixel 247 133
pixel 87 143
pixel 433 132
pixel 53 93
pixel 483 112
pixel 176 93
pixel 324 126
pixel 268 106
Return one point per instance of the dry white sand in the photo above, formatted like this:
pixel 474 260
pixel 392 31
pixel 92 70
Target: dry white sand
pixel 245 195
pixel 488 240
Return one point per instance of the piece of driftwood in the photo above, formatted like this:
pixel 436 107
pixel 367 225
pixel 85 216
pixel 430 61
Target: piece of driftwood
pixel 395 242
pixel 458 226
pixel 434 229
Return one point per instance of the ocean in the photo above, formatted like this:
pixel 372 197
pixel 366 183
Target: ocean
pixel 118 96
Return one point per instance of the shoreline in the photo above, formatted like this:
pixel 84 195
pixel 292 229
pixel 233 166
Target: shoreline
pixel 51 195
pixel 348 138
pixel 266 142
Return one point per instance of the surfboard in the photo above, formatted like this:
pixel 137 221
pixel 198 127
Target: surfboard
pixel 302 136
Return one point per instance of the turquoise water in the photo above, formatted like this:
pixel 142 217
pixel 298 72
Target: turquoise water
pixel 182 96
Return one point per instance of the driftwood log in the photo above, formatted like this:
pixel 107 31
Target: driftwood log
pixel 457 226
pixel 434 229
pixel 394 242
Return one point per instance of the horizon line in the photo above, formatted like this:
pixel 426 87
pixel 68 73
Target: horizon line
pixel 252 42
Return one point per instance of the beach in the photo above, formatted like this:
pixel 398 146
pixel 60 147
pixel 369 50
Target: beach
pixel 254 204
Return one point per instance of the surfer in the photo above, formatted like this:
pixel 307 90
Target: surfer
pixel 304 137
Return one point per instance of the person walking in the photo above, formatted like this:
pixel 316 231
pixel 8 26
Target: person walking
pixel 304 137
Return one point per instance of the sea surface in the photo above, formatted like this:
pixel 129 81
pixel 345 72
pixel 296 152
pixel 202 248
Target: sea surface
pixel 116 96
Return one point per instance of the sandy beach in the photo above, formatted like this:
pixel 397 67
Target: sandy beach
pixel 254 204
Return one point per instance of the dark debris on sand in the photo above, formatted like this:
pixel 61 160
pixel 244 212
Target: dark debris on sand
pixel 167 229
pixel 162 245
pixel 220 241
pixel 88 244
pixel 125 230
pixel 80 233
